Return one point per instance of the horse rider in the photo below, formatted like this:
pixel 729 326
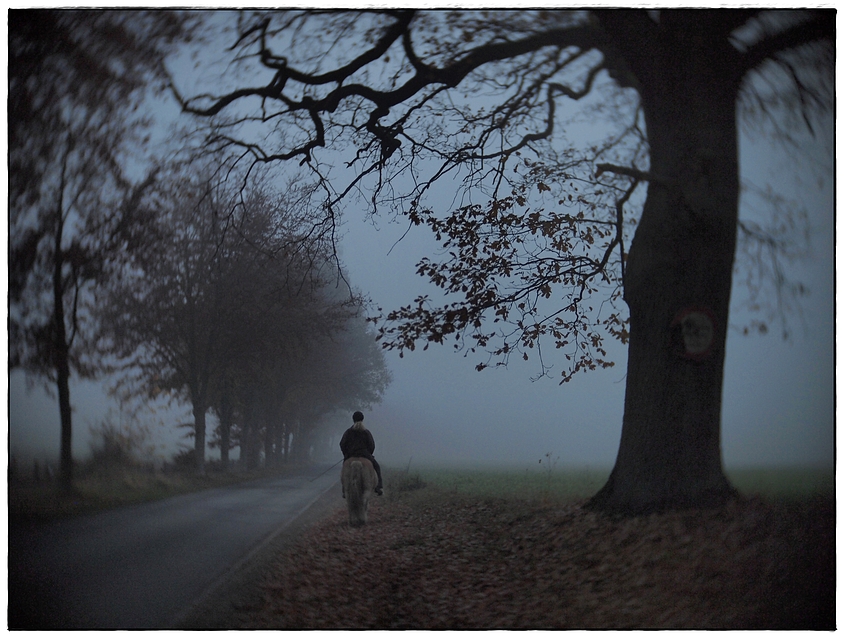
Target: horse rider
pixel 358 441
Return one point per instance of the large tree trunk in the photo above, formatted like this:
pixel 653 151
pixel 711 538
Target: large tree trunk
pixel 269 421
pixel 199 410
pixel 250 441
pixel 269 439
pixel 226 419
pixel 284 433
pixel 678 281
pixel 61 360
pixel 65 414
pixel 274 444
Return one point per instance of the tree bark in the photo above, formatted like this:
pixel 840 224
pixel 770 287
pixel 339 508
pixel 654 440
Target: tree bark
pixel 199 410
pixel 62 363
pixel 677 286
pixel 298 441
pixel 226 419
pixel 65 413
pixel 269 443
pixel 249 440
pixel 61 354
pixel 285 439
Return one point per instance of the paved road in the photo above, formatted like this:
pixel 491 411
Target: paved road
pixel 141 567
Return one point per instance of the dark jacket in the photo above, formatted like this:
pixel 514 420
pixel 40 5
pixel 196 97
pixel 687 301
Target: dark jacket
pixel 357 443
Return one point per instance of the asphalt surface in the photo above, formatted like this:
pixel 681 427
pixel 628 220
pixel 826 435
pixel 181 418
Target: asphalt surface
pixel 149 566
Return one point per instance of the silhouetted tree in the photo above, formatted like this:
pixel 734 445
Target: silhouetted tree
pixel 75 79
pixel 285 311
pixel 315 358
pixel 478 97
pixel 221 282
pixel 343 371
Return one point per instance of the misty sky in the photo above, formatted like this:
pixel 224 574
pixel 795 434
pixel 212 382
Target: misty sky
pixel 778 403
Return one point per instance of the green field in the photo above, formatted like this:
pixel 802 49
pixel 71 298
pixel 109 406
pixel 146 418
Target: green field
pixel 566 484
pixel 783 482
pixel 536 483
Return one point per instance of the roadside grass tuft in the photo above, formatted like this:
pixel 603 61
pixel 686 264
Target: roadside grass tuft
pixel 399 482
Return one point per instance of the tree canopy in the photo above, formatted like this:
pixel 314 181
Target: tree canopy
pixel 225 300
pixel 75 79
pixel 194 288
pixel 485 101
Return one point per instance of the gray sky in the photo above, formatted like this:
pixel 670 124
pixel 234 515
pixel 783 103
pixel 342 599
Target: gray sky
pixel 778 395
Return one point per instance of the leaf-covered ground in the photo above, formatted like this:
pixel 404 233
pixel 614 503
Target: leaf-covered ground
pixel 434 560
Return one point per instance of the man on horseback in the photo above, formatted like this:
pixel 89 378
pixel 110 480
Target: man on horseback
pixel 358 441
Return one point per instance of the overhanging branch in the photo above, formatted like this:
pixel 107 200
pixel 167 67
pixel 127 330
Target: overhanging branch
pixel 820 27
pixel 627 171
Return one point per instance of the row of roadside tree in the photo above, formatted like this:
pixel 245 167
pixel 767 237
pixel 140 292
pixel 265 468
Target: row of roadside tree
pixel 194 282
pixel 231 297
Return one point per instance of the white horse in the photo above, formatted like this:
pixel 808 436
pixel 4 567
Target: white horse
pixel 359 480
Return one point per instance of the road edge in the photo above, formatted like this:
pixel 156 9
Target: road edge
pixel 232 592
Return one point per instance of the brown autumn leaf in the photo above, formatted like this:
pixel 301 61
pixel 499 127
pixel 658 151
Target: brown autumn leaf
pixel 459 562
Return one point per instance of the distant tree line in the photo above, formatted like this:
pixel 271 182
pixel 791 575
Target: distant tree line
pixel 227 295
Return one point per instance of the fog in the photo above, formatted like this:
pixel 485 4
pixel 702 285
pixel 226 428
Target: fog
pixel 778 402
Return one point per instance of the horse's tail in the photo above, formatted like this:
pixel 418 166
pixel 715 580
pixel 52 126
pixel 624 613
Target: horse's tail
pixel 357 506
